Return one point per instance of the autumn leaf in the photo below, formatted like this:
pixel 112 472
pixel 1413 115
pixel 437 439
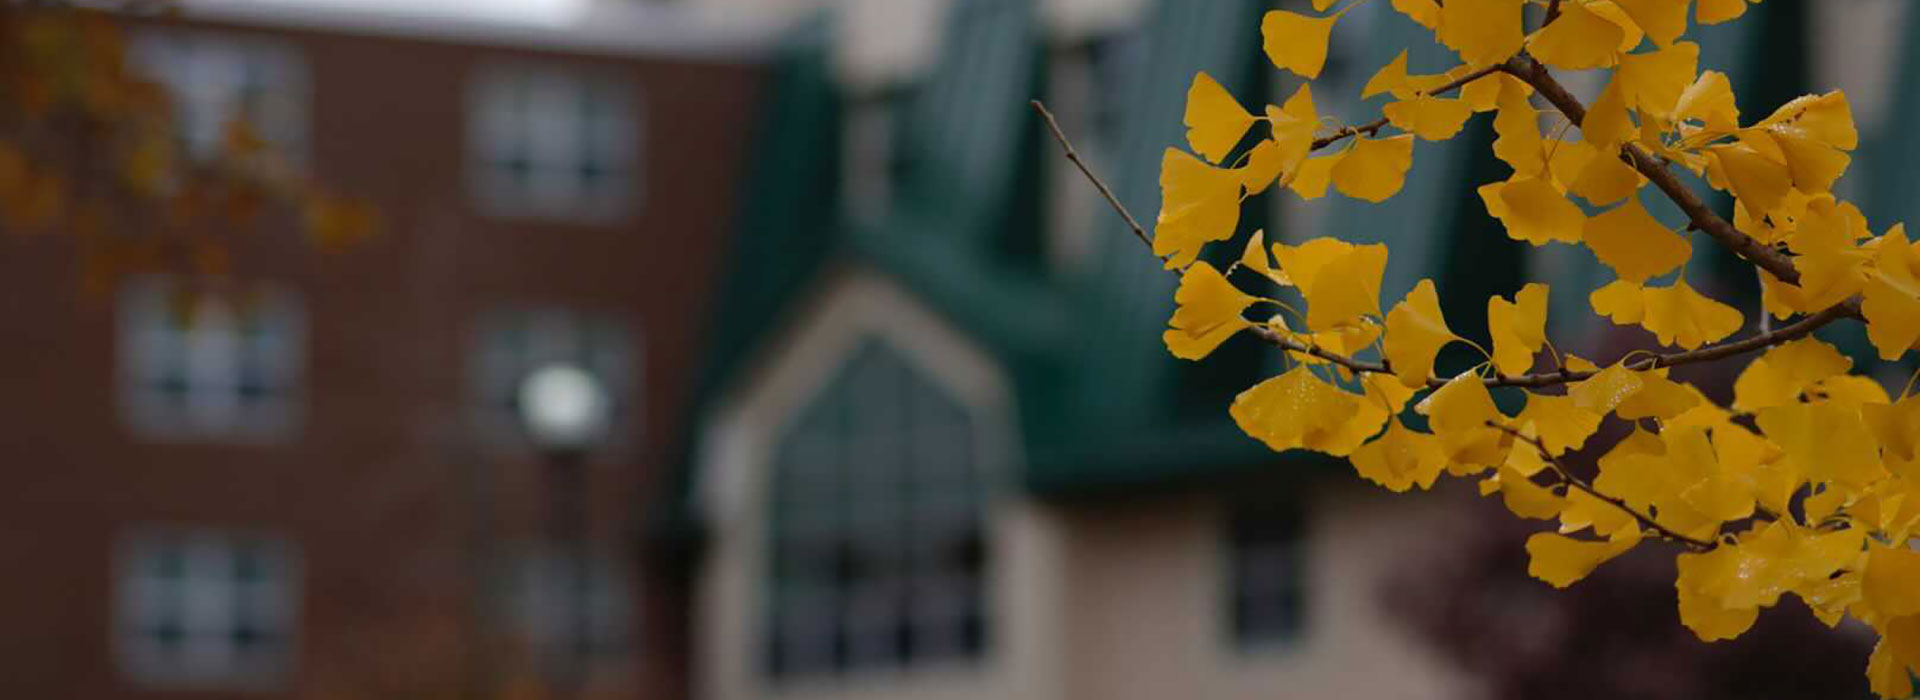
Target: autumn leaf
pixel 1297 42
pixel 1678 315
pixel 1634 244
pixel 1215 121
pixel 1208 313
pixel 1518 328
pixel 1199 204
pixel 1374 169
pixel 1416 330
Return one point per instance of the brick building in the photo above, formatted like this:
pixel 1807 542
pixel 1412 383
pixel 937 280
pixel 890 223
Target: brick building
pixel 312 482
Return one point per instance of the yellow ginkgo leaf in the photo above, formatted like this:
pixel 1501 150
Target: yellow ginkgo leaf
pixel 1634 244
pixel 1485 93
pixel 1778 377
pixel 1559 421
pixel 1653 82
pixel 1485 32
pixel 1400 459
pixel 1608 123
pixel 1709 100
pixel 1255 258
pixel 1416 330
pixel 1825 118
pixel 1604 181
pixel 1887 675
pixel 1430 118
pixel 1215 121
pixel 1826 442
pixel 1297 42
pixel 1621 301
pixel 1578 40
pixel 1562 561
pixel 1208 312
pixel 1347 288
pixel 1658 397
pixel 1520 143
pixel 1301 264
pixel 1518 328
pixel 1199 203
pixel 1887 583
pixel 1663 20
pixel 1263 167
pixel 1293 126
pixel 1892 296
pixel 1311 181
pixel 1525 498
pixel 1631 34
pixel 1424 12
pixel 1760 183
pixel 1584 510
pixel 1535 211
pixel 1678 315
pixel 1461 414
pixel 1374 169
pixel 1606 389
pixel 1718 11
pixel 1299 410
pixel 1812 166
pixel 1394 79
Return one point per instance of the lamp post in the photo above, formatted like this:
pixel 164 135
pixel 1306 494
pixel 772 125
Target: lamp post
pixel 565 412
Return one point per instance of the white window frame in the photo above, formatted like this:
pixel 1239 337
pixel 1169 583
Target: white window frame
pixel 540 586
pixel 207 602
pixel 209 76
pixel 536 115
pixel 204 365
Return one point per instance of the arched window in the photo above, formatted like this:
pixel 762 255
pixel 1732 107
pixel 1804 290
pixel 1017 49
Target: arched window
pixel 877 552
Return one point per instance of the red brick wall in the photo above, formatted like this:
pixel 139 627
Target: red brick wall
pixel 384 488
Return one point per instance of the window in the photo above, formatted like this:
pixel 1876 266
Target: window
pixel 203 609
pixel 1267 553
pixel 215 80
pixel 545 143
pixel 877 545
pixel 512 343
pixel 201 364
pixel 572 622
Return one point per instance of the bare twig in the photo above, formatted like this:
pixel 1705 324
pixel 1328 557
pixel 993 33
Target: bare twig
pixel 1560 470
pixel 1105 191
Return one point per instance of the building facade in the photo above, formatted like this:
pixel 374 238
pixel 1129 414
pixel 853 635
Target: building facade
pixel 309 480
pixel 945 454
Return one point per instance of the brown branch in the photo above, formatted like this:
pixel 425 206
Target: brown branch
pixel 1699 216
pixel 1560 469
pixel 1374 127
pixel 1105 191
pixel 1759 341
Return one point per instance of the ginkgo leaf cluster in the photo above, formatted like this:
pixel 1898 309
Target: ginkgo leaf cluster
pixel 1806 484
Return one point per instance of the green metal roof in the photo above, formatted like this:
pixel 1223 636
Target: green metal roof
pixel 1102 406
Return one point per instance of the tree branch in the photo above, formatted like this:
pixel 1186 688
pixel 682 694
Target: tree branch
pixel 1699 215
pixel 1374 127
pixel 1759 341
pixel 1566 477
pixel 1074 156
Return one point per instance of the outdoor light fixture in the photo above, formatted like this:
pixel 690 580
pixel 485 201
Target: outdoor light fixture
pixel 563 408
pixel 566 411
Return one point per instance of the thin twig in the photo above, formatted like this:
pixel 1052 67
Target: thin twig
pixel 1374 127
pixel 1560 469
pixel 1278 339
pixel 1105 191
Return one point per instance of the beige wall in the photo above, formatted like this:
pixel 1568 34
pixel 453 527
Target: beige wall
pixel 1148 614
pixel 1107 601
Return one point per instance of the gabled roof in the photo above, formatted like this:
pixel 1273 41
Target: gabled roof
pixel 1102 404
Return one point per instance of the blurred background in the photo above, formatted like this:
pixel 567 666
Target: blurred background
pixel 740 349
